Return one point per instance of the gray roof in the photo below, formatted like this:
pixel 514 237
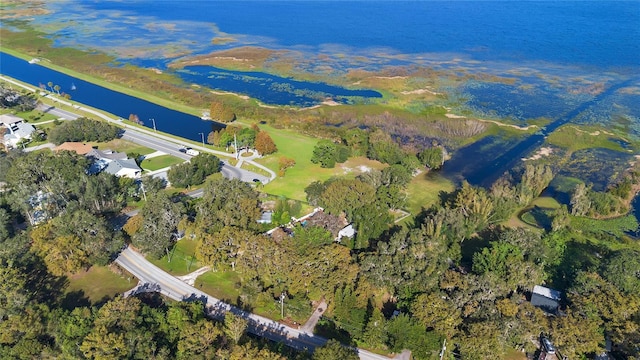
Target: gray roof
pixel 106 154
pixel 23 130
pixel 266 217
pixel 116 165
pixel 9 119
pixel 546 299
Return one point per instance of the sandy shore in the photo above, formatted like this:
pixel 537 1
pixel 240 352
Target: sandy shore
pixel 523 128
pixel 542 152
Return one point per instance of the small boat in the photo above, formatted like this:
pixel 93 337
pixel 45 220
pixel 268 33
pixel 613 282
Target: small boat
pixel 34 60
pixel 73 86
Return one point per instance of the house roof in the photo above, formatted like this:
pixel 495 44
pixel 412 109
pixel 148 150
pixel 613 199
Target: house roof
pixel 326 221
pixel 266 217
pixel 546 299
pixel 546 292
pixel 117 165
pixel 106 154
pixel 9 119
pixel 78 147
pixel 347 231
pixel 23 130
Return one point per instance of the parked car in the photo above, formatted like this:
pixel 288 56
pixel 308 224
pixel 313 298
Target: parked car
pixel 547 345
pixel 189 151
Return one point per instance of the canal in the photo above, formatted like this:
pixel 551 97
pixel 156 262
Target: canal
pixel 166 120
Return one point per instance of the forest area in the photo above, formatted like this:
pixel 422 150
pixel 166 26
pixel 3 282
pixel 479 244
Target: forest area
pixel 455 272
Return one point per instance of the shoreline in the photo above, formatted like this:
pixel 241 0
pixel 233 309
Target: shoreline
pixel 525 128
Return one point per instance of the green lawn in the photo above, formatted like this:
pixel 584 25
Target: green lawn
pixel 33 117
pixel 223 285
pixel 99 283
pixel 300 148
pixel 424 190
pixel 160 162
pixel 124 146
pixel 183 259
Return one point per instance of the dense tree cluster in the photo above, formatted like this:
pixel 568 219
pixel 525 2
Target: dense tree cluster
pixel 194 171
pixel 244 137
pixel 222 112
pixel 13 99
pixel 327 154
pixel 83 129
pixel 454 273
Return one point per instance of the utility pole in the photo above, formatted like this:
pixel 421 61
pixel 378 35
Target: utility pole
pixel 144 193
pixel 154 124
pixel 235 145
pixel 444 348
pixel 282 296
pixel 202 135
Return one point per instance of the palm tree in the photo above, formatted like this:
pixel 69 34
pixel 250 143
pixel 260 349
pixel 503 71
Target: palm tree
pixel 57 88
pixel 50 84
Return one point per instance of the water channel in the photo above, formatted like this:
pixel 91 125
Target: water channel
pixel 166 120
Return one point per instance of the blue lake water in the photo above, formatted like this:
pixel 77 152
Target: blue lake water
pixel 166 120
pixel 270 88
pixel 603 34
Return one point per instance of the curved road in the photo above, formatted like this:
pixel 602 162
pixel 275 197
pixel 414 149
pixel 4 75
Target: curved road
pixel 153 278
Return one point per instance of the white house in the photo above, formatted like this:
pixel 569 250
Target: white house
pixel 347 231
pixel 16 130
pixel 123 167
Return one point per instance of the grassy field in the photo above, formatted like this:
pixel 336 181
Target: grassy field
pixel 99 283
pixel 124 146
pixel 183 259
pixel 300 147
pixel 160 162
pixel 33 117
pixel 222 285
pixel 424 190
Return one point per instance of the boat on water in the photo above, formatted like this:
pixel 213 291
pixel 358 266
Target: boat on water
pixel 73 86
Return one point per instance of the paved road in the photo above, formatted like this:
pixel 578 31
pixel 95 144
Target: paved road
pixel 154 279
pixel 165 146
pixel 151 138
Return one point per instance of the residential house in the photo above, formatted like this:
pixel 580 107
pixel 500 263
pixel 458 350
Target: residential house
pixel 336 225
pixel 16 130
pixel 123 167
pixel 348 232
pixel 266 217
pixel 113 162
pixel 546 299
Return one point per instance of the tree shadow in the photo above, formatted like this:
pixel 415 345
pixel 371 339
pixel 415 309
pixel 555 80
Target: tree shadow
pixel 74 299
pixel 471 246
pixel 329 330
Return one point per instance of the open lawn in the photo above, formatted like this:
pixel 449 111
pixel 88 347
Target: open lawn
pixel 124 146
pixel 99 284
pixel 32 117
pixel 300 148
pixel 221 284
pixel 160 162
pixel 424 190
pixel 183 259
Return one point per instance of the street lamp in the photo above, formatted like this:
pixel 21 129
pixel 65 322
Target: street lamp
pixel 202 135
pixel 282 296
pixel 154 124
